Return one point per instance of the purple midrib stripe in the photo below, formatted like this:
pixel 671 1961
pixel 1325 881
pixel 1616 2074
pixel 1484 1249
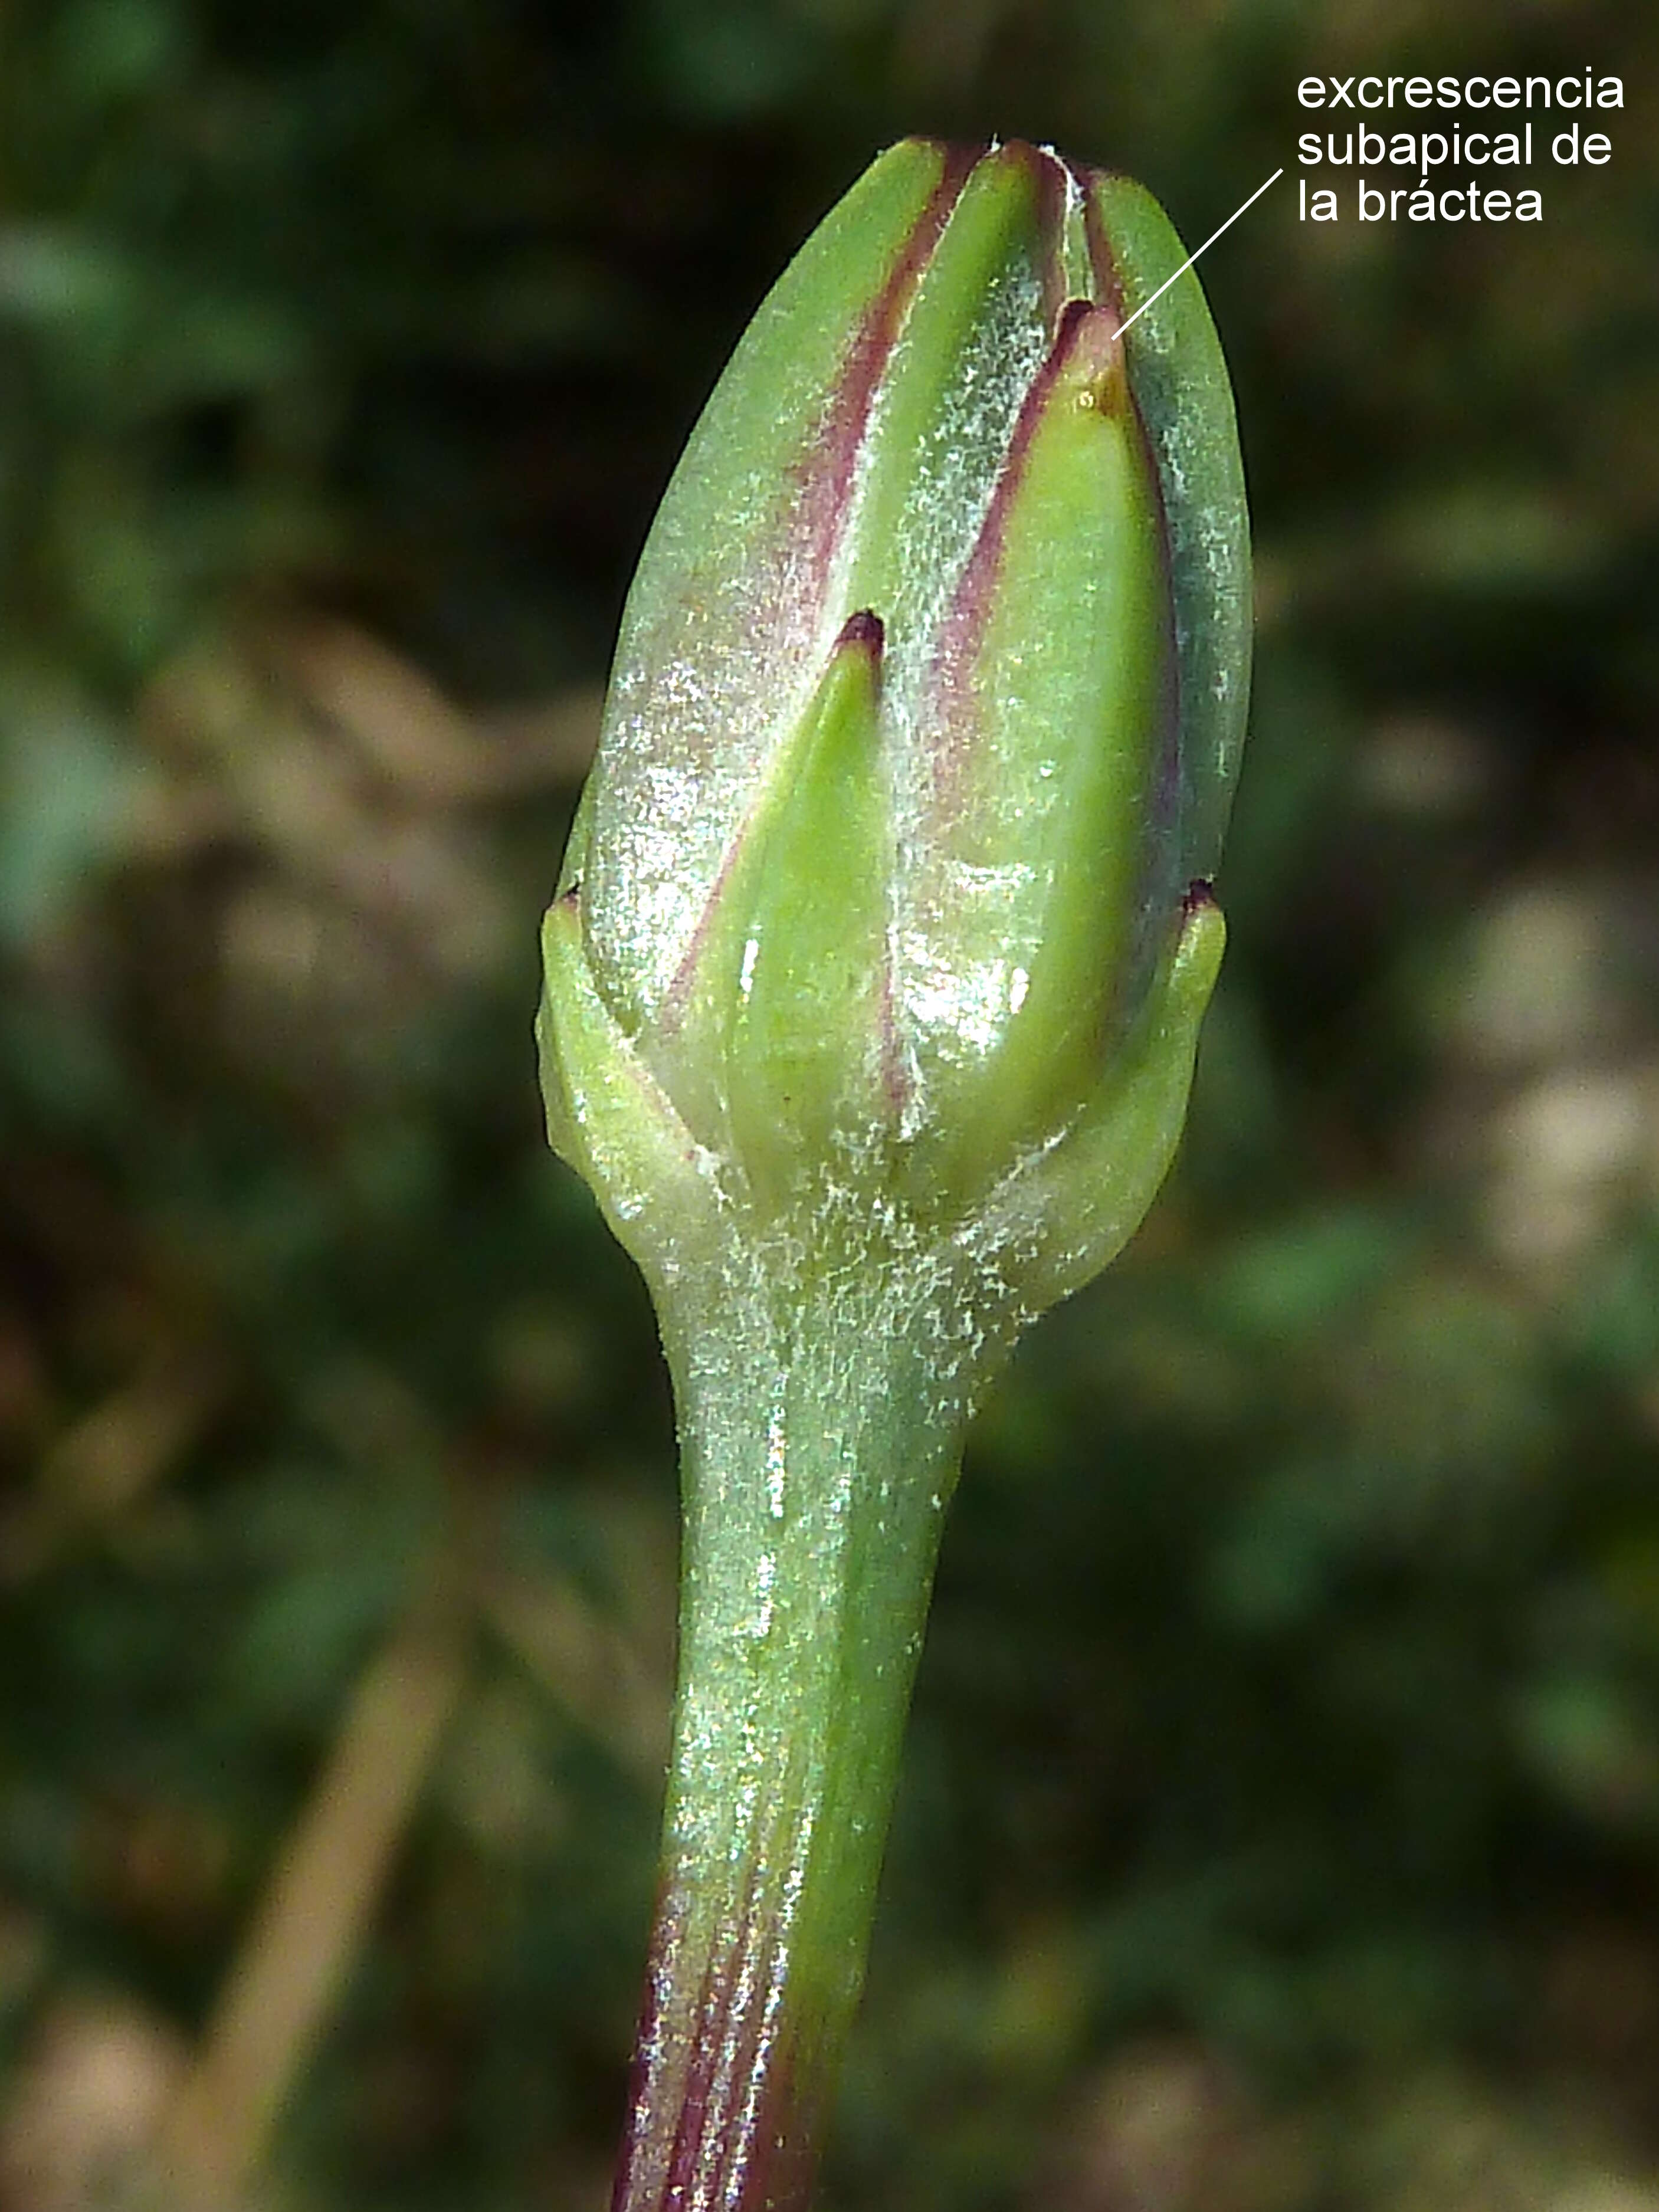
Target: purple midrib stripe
pixel 1108 286
pixel 959 635
pixel 1167 787
pixel 826 473
pixel 964 627
pixel 828 470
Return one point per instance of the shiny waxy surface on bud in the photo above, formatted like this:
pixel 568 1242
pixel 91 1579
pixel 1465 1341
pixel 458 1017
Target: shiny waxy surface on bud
pixel 928 698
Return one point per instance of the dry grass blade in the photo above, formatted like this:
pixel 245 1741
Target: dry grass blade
pixel 308 1929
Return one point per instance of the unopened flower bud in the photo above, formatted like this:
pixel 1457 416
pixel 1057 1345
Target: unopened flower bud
pixel 923 725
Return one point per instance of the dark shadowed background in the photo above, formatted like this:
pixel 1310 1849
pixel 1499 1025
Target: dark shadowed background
pixel 1280 1823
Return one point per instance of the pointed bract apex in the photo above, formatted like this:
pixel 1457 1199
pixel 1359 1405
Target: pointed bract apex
pixel 882 900
pixel 864 629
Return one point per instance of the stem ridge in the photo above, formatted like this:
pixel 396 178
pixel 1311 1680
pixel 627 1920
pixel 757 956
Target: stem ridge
pixel 818 1452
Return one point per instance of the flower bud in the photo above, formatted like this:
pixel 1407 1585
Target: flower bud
pixel 891 876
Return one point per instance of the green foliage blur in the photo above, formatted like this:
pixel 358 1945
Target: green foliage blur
pixel 1280 1825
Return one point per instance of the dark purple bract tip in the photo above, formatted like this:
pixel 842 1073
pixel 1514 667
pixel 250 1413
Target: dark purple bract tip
pixel 1071 316
pixel 1199 894
pixel 863 629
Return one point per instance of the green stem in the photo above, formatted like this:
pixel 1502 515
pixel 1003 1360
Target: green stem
pixel 821 1420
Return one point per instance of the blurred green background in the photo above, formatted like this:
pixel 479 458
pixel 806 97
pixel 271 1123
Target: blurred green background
pixel 1280 1823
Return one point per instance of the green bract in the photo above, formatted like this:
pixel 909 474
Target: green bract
pixel 874 978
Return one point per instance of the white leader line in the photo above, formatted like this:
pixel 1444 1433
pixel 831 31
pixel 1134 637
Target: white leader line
pixel 1204 248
